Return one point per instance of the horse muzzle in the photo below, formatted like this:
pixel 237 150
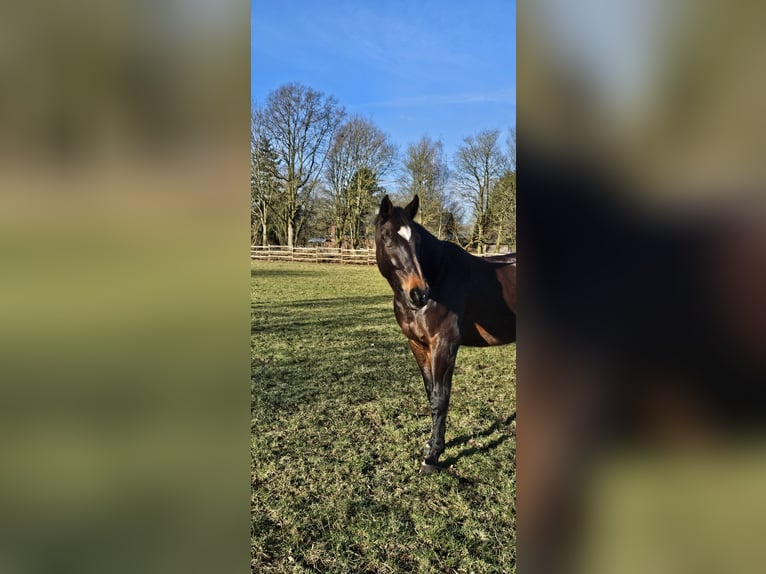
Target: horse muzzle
pixel 419 296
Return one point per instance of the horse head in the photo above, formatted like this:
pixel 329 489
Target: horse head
pixel 397 246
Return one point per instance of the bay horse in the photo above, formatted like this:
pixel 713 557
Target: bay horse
pixel 444 297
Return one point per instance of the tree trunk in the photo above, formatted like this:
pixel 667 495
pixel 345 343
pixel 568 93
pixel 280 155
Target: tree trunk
pixel 264 225
pixel 499 237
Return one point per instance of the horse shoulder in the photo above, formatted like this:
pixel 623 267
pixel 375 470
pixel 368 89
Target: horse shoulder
pixel 427 324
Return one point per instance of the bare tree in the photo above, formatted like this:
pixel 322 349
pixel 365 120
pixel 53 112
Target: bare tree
pixel 502 201
pixel 299 122
pixel 264 185
pixel 425 173
pixel 502 209
pixel 360 154
pixel 510 143
pixel 479 163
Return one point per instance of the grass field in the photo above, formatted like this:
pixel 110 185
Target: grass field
pixel 339 420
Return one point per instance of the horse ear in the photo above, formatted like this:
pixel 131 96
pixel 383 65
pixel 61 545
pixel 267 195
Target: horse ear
pixel 386 207
pixel 411 208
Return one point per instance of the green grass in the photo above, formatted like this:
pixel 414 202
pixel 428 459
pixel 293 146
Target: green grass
pixel 339 420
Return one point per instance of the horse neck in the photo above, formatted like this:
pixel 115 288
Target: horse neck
pixel 427 240
pixel 429 252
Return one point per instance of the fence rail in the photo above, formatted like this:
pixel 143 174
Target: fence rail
pixel 323 254
pixel 313 254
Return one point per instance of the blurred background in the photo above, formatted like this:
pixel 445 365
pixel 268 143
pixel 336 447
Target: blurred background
pixel 124 288
pixel 642 286
pixel 124 292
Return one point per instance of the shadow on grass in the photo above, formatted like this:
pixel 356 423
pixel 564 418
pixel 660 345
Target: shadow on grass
pixel 462 439
pixel 447 462
pixel 281 272
pixel 316 350
pixel 309 318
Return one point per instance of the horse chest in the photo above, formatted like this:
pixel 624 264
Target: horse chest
pixel 415 330
pixel 424 324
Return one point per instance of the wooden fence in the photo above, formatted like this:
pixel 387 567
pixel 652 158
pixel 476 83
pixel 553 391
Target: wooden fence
pixel 313 254
pixel 321 254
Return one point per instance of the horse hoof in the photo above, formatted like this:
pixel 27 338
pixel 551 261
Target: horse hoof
pixel 428 468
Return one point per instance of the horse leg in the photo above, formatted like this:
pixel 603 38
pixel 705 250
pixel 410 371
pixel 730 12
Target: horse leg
pixel 442 365
pixel 423 357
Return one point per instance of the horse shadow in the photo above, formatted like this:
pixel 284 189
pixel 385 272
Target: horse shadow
pixel 464 439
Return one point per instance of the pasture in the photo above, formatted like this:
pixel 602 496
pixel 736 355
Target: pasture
pixel 339 421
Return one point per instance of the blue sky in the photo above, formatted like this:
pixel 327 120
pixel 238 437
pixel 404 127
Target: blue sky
pixel 445 68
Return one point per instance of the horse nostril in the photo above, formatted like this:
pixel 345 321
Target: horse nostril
pixel 418 296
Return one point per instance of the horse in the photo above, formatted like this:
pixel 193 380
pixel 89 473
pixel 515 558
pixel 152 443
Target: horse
pixel 444 297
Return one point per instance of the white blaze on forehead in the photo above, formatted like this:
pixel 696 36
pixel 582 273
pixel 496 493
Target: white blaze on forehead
pixel 405 232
